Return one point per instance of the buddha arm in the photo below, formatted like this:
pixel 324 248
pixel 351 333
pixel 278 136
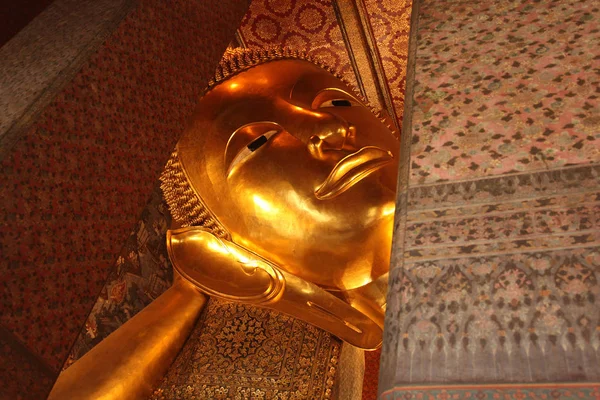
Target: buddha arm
pixel 131 361
pixel 223 269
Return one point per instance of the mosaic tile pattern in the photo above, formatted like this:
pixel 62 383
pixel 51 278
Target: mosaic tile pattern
pixel 242 352
pixel 541 211
pixel 298 24
pixel 84 170
pixel 504 86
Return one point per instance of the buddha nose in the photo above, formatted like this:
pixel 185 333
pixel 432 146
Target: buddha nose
pixel 340 138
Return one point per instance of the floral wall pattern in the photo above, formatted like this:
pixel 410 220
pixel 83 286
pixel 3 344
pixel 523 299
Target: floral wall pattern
pixel 298 24
pixel 502 286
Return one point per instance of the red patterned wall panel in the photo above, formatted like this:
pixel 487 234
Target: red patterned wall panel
pixel 390 21
pixel 77 180
pixel 298 24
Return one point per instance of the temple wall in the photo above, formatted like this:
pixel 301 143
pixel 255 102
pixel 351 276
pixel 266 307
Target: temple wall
pixel 94 96
pixel 494 284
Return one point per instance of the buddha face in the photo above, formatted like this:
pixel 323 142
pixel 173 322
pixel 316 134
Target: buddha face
pixel 298 171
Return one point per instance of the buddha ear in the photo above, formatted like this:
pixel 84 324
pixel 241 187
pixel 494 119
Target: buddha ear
pixel 219 267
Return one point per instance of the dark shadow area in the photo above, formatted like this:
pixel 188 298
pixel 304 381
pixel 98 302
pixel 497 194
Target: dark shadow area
pixel 17 14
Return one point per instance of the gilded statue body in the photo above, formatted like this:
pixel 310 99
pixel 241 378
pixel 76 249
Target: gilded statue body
pixel 283 188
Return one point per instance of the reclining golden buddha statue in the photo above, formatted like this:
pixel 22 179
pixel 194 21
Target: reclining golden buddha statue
pixel 282 188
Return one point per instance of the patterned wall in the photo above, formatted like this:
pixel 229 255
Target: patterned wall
pixel 495 269
pixel 141 273
pixel 76 181
pixel 499 279
pixel 526 99
pixel 298 24
pixel 390 22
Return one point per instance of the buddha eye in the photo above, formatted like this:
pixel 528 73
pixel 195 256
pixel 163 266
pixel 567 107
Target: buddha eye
pixel 334 98
pixel 338 103
pixel 251 148
pixel 256 143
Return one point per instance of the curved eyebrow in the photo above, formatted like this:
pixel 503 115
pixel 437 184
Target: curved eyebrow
pixel 309 85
